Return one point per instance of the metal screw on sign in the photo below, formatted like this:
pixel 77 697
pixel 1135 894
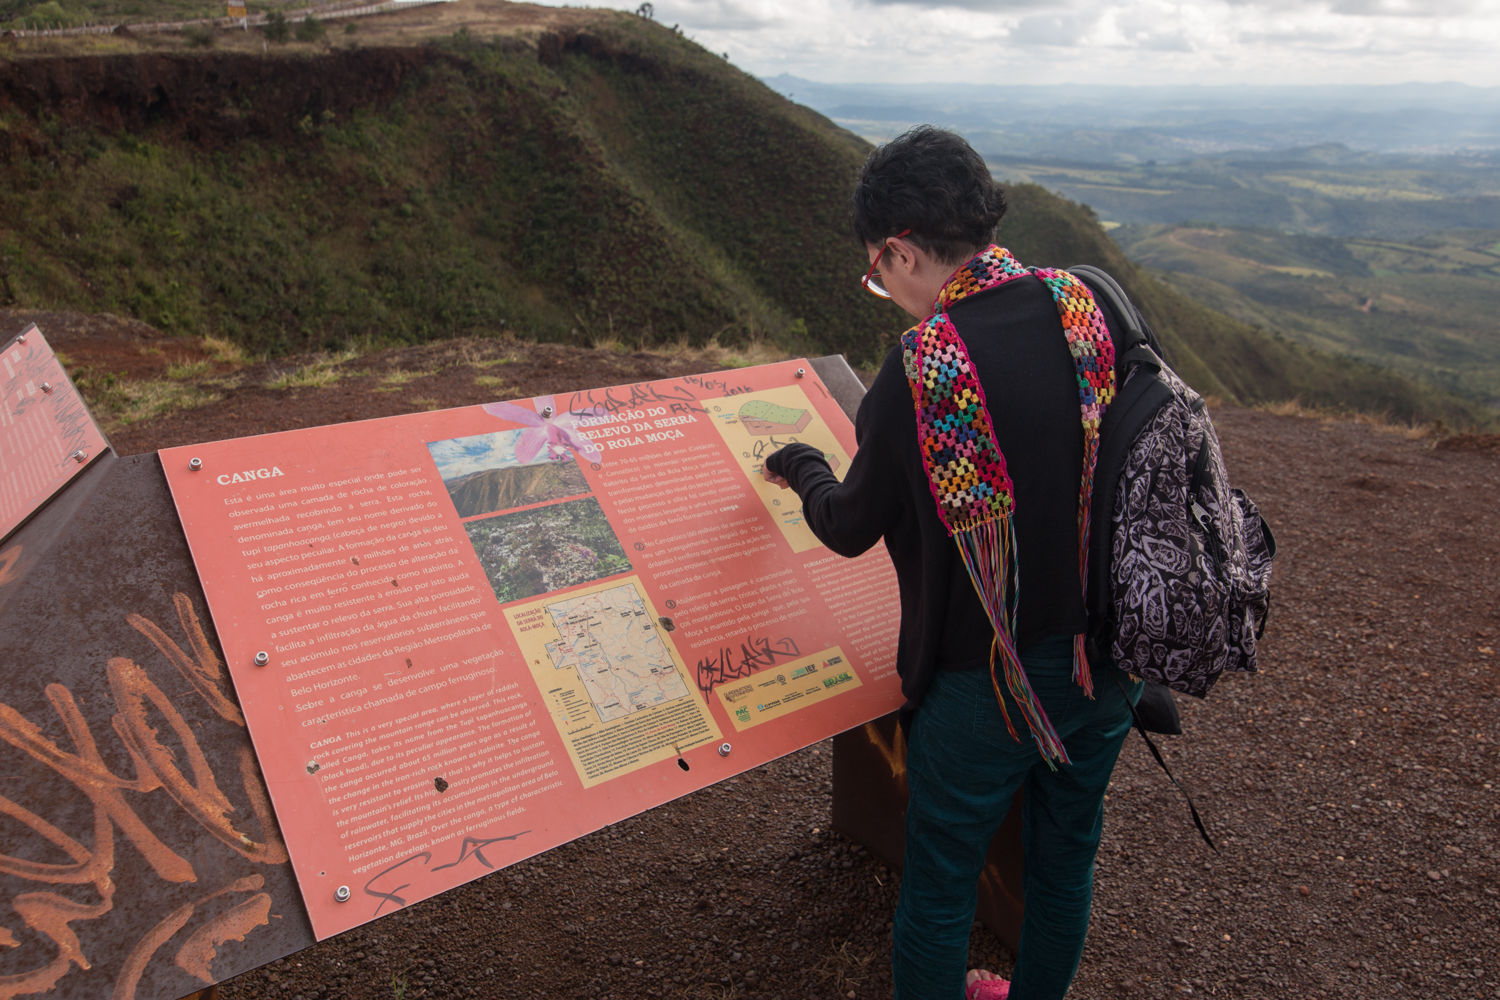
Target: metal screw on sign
pixel 724 749
pixel 21 339
pixel 195 464
pixel 46 386
pixel 79 455
pixel 546 412
pixel 262 658
pixel 313 767
pixel 801 372
pixel 341 894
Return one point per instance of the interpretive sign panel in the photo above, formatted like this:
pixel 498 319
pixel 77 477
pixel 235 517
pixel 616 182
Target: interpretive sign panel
pixel 491 630
pixel 46 433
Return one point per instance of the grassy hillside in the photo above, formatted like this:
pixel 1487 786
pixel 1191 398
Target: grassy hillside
pixel 580 176
pixel 68 13
pixel 1424 308
pixel 304 200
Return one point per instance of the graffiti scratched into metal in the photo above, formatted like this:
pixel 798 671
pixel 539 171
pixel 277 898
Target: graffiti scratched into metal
pixel 140 706
pixel 893 753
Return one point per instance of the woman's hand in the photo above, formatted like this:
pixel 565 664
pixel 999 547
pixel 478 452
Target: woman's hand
pixel 774 479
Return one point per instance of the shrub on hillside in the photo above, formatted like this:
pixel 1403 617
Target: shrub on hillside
pixel 310 29
pixel 47 15
pixel 198 36
pixel 276 29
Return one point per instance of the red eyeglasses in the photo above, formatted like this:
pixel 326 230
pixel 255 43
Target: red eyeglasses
pixel 871 280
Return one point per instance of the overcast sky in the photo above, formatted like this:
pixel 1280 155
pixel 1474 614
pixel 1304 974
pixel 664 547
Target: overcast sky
pixel 1135 41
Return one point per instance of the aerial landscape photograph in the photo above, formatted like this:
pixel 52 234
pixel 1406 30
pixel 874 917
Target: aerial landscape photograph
pixel 1239 258
pixel 484 474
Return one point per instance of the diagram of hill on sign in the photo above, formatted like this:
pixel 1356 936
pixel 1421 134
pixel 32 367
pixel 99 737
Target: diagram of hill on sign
pixel 760 417
pixel 610 639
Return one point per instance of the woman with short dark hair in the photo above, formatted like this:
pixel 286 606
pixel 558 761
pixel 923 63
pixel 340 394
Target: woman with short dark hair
pixel 977 444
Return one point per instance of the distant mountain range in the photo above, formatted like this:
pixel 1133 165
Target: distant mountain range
pixel 501 489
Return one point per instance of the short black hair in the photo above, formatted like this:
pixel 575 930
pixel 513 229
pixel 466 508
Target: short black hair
pixel 931 181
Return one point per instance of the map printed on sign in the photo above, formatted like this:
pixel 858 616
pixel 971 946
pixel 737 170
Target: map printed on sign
pixel 609 639
pixel 464 637
pixel 616 688
pixel 762 423
pixel 47 436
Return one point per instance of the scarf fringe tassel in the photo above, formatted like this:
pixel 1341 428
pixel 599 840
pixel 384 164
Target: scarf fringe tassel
pixel 988 551
pixel 1082 675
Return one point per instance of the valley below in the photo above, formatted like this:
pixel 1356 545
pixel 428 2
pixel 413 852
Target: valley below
pixel 1424 307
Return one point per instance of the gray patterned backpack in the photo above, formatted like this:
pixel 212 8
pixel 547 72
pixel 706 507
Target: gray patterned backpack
pixel 1179 561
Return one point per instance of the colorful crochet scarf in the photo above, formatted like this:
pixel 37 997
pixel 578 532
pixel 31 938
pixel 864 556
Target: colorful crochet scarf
pixel 966 470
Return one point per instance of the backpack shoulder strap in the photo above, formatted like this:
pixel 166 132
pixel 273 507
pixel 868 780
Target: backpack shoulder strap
pixel 1137 330
pixel 1134 407
pixel 1136 404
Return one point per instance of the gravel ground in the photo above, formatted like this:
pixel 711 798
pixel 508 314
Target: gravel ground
pixel 1350 786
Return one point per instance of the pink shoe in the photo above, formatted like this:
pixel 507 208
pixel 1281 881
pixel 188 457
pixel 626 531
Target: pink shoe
pixel 988 989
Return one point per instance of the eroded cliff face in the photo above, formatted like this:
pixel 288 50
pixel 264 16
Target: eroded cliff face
pixel 211 99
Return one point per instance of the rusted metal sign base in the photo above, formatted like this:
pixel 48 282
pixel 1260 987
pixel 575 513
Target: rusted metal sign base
pixel 869 805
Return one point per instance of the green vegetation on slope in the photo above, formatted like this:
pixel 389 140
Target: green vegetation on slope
pixel 1320 190
pixel 394 195
pixel 1425 308
pixel 68 13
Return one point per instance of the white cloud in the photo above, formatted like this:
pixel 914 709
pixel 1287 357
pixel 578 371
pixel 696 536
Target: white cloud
pixel 728 16
pixel 1126 42
pixel 1049 29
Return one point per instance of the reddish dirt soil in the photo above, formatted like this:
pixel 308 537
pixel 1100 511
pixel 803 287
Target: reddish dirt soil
pixel 1350 785
pixel 107 343
pixel 456 373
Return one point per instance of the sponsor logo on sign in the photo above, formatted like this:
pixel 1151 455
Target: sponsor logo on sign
pixel 739 692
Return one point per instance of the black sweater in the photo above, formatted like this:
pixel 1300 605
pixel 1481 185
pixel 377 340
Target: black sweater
pixel 1016 342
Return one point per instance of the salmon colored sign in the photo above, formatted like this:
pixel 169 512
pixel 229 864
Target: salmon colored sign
pixel 46 433
pixel 491 630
